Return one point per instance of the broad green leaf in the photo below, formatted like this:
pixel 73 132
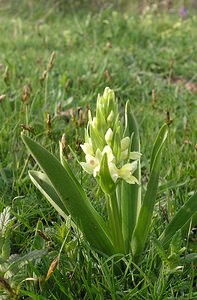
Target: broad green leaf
pixel 41 181
pixel 73 197
pixel 130 194
pixel 146 212
pixel 184 214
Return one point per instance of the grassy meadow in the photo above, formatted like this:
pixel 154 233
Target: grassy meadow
pixel 54 61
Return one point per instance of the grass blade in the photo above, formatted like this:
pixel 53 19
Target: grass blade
pixel 184 214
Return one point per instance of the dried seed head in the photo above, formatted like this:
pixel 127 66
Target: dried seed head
pixel 51 61
pixel 107 75
pixel 26 92
pixel 59 108
pixel 80 116
pixel 168 120
pixel 63 141
pixel 43 77
pixel 28 128
pixel 72 113
pixel 68 84
pixel 6 75
pixel 52 268
pixel 49 125
pixel 43 235
pixel 6 286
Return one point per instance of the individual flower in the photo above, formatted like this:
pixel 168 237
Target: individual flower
pixel 125 172
pixel 92 164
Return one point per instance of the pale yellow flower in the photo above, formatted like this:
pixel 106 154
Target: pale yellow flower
pixel 92 164
pixel 126 172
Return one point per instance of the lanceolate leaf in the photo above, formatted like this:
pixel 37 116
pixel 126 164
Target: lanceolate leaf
pixel 130 194
pixel 184 214
pixel 146 212
pixel 73 198
pixel 42 183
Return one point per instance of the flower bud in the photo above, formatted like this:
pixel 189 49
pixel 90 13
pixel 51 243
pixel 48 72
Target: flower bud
pixel 125 143
pixel 109 136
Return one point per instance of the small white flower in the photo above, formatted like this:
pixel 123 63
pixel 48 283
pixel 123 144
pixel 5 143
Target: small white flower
pixel 126 172
pixel 92 164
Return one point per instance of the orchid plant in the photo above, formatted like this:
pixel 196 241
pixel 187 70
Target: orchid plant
pixel 112 156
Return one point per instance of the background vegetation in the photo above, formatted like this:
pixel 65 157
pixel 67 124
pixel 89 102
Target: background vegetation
pixel 147 53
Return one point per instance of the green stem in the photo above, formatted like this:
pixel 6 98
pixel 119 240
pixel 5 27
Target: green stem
pixel 115 222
